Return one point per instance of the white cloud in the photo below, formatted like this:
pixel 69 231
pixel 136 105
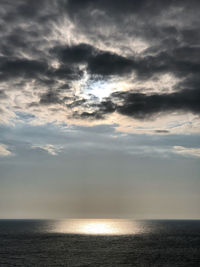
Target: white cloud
pixel 51 149
pixel 4 152
pixel 187 151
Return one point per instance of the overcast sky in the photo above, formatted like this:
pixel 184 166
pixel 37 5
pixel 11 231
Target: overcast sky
pixel 100 106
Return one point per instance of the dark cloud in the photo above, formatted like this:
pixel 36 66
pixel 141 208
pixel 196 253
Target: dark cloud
pixel 109 64
pixel 3 95
pixel 98 111
pixel 65 72
pixel 117 7
pixel 114 8
pixel 37 8
pixel 180 61
pixel 21 68
pixel 76 103
pixel 31 51
pixel 162 131
pixel 50 98
pixel 25 25
pixel 143 106
pixel 40 71
pixel 137 18
pixel 30 10
pixel 97 61
pixel 73 54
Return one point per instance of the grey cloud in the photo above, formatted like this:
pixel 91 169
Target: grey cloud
pixel 109 64
pixel 2 94
pixel 180 61
pixel 50 98
pixel 172 48
pixel 73 54
pixel 119 8
pixel 34 69
pixel 21 68
pixel 162 131
pixel 136 18
pixel 142 106
pixel 98 62
pixel 76 102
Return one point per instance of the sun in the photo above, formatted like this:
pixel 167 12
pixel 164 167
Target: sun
pixel 92 86
pixel 100 89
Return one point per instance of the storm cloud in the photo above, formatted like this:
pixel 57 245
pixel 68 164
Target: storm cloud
pixel 62 52
pixel 142 106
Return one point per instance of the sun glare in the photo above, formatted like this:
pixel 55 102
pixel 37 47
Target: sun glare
pixel 101 89
pixel 97 227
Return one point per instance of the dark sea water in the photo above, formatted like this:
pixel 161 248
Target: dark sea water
pixel 141 243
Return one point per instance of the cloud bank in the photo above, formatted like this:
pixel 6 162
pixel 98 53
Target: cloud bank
pixel 91 62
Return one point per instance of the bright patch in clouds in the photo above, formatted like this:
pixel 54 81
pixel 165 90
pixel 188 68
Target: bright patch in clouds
pixel 4 151
pixel 51 149
pixel 100 89
pixel 187 151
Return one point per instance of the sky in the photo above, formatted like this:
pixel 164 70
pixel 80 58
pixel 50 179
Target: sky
pixel 100 109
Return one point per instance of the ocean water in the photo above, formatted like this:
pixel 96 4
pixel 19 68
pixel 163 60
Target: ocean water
pixel 168 243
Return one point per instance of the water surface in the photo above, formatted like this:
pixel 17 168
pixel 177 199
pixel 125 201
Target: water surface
pixel 99 243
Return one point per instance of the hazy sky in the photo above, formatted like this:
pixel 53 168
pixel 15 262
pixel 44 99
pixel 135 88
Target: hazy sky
pixel 100 106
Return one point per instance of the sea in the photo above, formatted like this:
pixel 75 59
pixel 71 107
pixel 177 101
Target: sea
pixel 87 242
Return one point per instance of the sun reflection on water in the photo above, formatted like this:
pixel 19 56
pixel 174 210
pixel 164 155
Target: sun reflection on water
pixel 97 227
